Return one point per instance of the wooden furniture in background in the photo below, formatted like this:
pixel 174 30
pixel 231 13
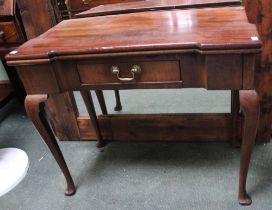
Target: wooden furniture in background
pixel 6 92
pixel 11 33
pixel 259 12
pixel 11 36
pixel 64 13
pixel 38 18
pixel 190 57
pixel 77 6
pixel 141 6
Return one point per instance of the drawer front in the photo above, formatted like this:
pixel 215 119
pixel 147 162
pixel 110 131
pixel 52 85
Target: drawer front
pixel 9 33
pixel 156 71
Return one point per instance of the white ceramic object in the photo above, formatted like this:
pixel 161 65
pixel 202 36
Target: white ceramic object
pixel 13 168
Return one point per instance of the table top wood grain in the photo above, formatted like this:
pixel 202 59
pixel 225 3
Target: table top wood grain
pixel 202 30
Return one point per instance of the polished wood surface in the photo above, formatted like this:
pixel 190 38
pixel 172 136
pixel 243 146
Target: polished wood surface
pixel 141 6
pixel 189 30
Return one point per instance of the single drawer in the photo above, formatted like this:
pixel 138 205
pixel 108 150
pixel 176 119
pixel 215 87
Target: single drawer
pixel 8 33
pixel 139 72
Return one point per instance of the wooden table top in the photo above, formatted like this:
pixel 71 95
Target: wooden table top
pixel 140 6
pixel 202 30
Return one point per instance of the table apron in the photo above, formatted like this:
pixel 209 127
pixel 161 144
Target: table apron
pixel 212 72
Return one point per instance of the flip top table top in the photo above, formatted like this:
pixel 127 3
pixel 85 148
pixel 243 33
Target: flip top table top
pixel 141 6
pixel 202 30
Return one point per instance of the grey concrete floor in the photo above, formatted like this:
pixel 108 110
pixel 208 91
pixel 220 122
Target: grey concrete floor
pixel 136 175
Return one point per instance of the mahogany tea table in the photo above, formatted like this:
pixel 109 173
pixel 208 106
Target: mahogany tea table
pixel 212 48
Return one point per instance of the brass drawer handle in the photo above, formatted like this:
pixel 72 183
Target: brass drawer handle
pixel 136 69
pixel 86 2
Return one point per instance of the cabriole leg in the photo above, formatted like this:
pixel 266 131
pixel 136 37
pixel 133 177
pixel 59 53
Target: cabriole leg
pixel 87 98
pixel 250 107
pixel 35 108
pixel 101 100
pixel 118 106
pixel 235 107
